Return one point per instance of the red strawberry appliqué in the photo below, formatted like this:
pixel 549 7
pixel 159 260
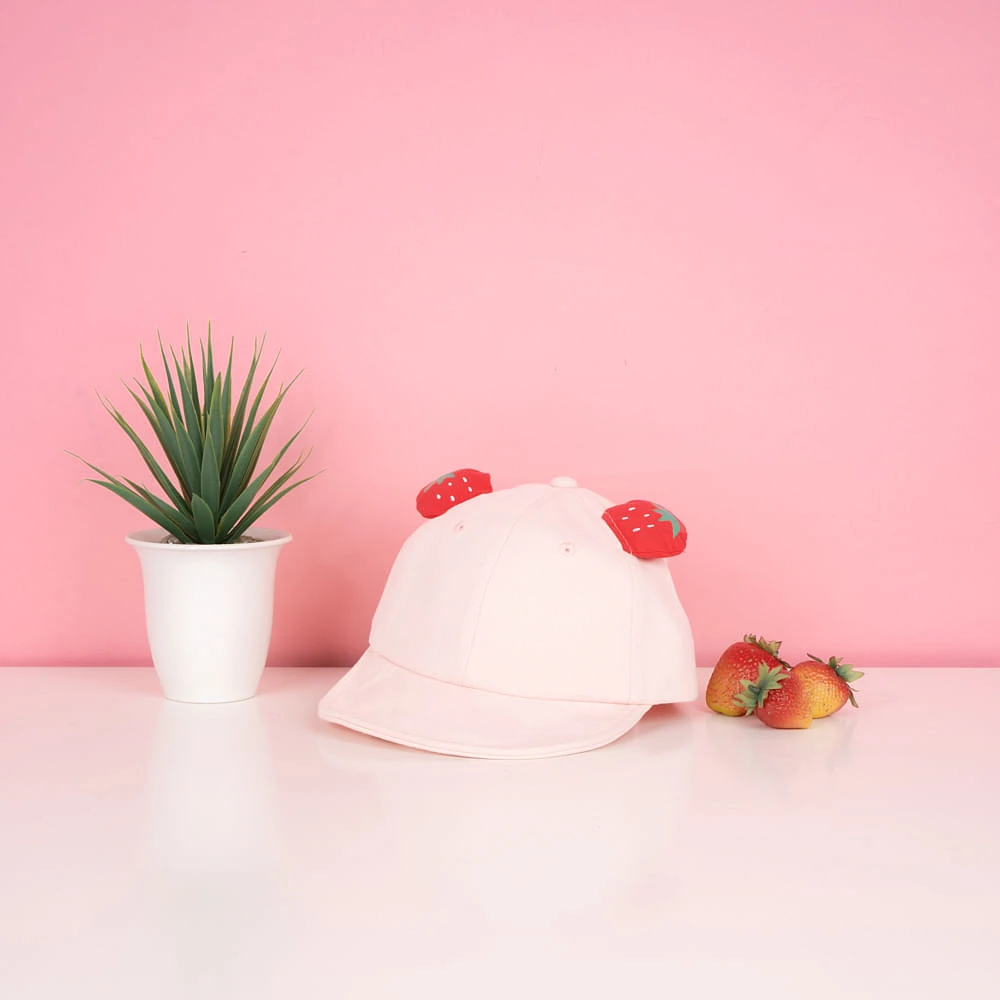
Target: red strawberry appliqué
pixel 646 530
pixel 451 489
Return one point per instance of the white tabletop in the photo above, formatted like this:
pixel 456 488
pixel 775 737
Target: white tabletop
pixel 157 850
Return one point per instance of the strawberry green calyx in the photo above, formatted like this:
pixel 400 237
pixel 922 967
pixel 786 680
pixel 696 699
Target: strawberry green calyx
pixel 845 671
pixel 755 692
pixel 771 648
pixel 665 515
pixel 439 481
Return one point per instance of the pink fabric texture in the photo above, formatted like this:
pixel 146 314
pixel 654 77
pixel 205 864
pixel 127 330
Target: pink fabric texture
pixel 514 625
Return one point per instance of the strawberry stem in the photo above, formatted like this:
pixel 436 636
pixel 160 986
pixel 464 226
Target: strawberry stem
pixel 772 648
pixel 845 671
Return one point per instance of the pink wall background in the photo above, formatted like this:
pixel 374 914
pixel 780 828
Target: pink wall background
pixel 738 258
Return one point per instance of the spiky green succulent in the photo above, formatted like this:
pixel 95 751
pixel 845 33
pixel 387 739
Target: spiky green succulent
pixel 212 446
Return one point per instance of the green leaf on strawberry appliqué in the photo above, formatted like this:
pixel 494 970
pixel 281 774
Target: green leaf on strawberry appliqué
pixel 665 515
pixel 439 481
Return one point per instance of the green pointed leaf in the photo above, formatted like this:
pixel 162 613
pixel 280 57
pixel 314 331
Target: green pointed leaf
pixel 252 488
pixel 136 501
pixel 239 413
pixel 208 364
pixel 178 444
pixel 192 464
pixel 166 431
pixel 249 422
pixel 188 460
pixel 190 370
pixel 208 472
pixel 161 477
pixel 266 422
pixel 210 479
pixel 192 420
pixel 255 406
pixel 754 693
pixel 227 393
pixel 272 488
pixel 262 507
pixel 249 451
pixel 154 387
pixel 96 468
pixel 215 428
pixel 182 521
pixel 162 427
pixel 203 519
pixel 165 516
pixel 769 678
pixel 240 505
pixel 175 407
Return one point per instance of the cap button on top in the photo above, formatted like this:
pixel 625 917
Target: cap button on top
pixel 564 481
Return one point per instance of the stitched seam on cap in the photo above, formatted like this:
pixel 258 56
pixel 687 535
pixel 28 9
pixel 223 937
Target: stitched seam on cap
pixel 599 506
pixel 502 694
pixel 418 743
pixel 629 656
pixel 489 579
pixel 519 697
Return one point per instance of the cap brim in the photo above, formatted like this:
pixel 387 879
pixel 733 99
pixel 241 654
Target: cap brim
pixel 382 699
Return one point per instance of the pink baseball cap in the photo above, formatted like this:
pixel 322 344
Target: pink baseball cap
pixel 535 621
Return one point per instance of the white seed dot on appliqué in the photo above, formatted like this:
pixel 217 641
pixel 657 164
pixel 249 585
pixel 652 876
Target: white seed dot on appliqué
pixel 464 479
pixel 650 525
pixel 470 489
pixel 646 514
pixel 452 499
pixel 637 529
pixel 624 517
pixel 631 508
pixel 438 495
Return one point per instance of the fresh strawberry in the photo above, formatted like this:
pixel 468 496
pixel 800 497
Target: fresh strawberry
pixel 451 489
pixel 739 662
pixel 646 530
pixel 778 698
pixel 828 683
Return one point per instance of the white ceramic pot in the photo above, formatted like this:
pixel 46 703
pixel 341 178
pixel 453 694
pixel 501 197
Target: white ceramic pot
pixel 208 613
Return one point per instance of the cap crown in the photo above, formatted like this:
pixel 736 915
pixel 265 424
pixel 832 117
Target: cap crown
pixel 527 592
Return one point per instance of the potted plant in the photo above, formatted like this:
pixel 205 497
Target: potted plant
pixel 207 570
